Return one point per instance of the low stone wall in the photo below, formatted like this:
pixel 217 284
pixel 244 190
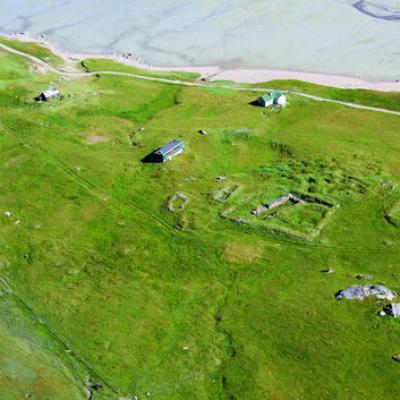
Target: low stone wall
pixel 276 203
pixel 282 230
pixel 175 197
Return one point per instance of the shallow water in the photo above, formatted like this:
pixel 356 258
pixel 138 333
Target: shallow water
pixel 350 37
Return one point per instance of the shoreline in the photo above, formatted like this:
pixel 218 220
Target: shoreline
pixel 213 73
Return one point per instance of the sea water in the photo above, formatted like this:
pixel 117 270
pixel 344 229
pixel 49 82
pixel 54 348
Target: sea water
pixel 349 37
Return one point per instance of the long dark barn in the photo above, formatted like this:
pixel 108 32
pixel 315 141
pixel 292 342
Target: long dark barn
pixel 169 151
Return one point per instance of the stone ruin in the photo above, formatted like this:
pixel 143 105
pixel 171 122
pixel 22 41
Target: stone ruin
pixel 267 222
pixel 276 203
pixel 178 196
pixel 225 193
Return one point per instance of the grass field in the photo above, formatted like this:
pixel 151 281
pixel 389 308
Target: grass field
pixel 35 50
pixel 189 303
pixel 389 100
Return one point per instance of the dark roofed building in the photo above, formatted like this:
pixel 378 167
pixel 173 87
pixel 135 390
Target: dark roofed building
pixel 48 94
pixel 169 151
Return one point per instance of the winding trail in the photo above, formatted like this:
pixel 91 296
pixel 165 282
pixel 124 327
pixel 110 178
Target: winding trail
pixel 54 70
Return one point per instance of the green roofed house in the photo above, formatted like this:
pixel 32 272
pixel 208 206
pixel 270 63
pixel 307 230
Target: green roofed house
pixel 272 98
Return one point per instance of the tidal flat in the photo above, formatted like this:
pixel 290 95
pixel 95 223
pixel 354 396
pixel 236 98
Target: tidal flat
pixel 344 37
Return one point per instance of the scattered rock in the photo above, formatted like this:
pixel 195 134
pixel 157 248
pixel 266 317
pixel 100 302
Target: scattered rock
pixel 362 292
pixel 129 397
pixel 91 387
pixel 365 276
pixel 328 270
pixel 17 222
pixel 391 309
pixel 220 178
pixel 88 393
pixel 396 358
pixel 185 348
pixel 7 214
pixel 391 184
pixel 141 129
pixel 203 132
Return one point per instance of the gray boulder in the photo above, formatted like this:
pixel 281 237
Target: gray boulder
pixel 392 309
pixel 365 276
pixel 362 292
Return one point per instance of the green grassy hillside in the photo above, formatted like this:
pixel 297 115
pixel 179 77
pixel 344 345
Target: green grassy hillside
pixel 35 50
pixel 389 100
pixel 206 301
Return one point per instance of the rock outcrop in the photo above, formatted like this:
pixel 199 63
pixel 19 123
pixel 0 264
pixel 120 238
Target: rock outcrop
pixel 362 292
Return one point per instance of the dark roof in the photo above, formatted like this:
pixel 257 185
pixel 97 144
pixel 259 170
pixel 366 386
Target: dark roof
pixel 169 147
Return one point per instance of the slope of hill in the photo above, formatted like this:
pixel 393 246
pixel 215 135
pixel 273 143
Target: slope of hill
pixel 201 300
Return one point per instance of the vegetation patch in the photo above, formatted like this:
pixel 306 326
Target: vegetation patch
pixel 98 65
pixel 327 177
pixel 231 135
pixel 219 91
pixel 93 138
pixel 35 362
pixel 145 111
pixel 241 253
pixel 35 50
pixel 283 149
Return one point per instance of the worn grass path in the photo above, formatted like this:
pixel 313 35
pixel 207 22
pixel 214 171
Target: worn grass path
pixel 52 69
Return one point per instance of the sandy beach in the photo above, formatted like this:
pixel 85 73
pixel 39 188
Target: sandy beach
pixel 214 73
